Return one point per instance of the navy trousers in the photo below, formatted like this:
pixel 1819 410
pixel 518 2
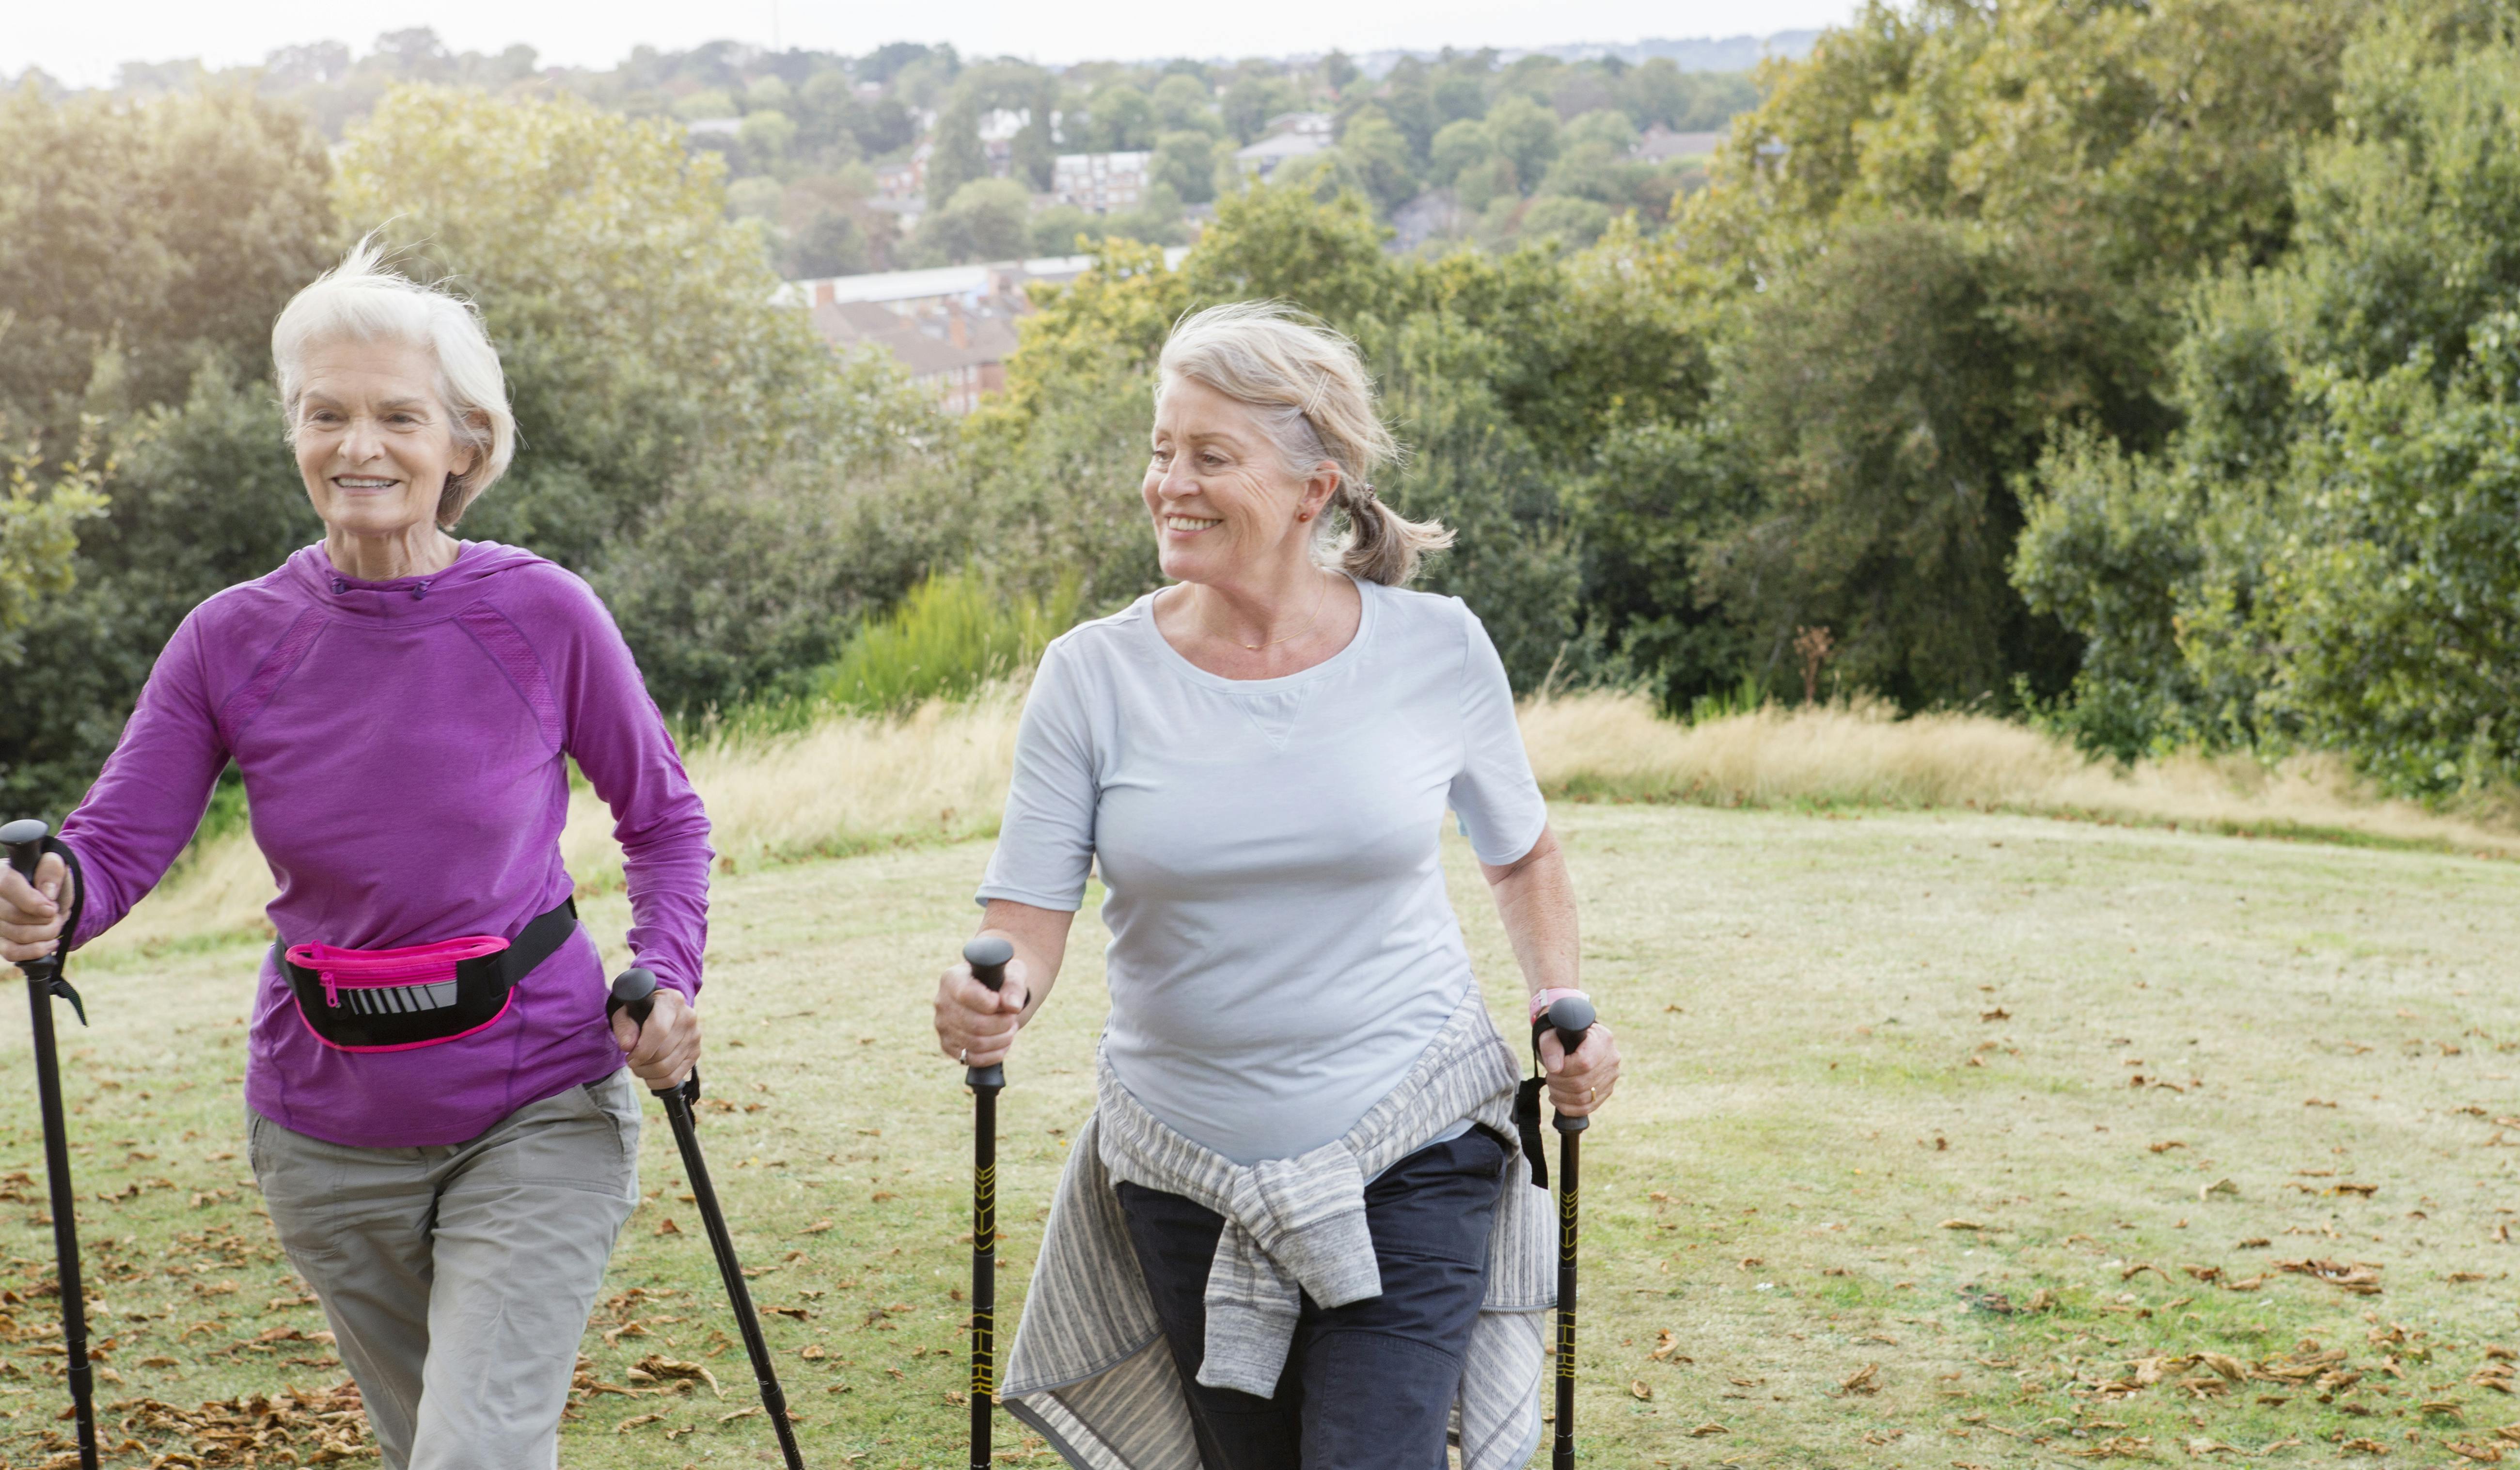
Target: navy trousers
pixel 1369 1386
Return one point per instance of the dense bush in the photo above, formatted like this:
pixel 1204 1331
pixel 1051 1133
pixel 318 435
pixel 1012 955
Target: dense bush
pixel 2328 549
pixel 954 634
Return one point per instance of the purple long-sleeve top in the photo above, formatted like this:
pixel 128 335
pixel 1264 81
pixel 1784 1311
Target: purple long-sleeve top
pixel 405 746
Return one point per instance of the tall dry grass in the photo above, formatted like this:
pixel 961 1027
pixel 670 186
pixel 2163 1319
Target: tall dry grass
pixel 1613 746
pixel 852 783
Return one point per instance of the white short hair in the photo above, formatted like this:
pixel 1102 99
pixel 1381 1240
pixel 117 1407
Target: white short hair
pixel 362 300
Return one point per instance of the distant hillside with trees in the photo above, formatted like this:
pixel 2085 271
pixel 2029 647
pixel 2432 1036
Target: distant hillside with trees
pixel 1482 149
pixel 2151 374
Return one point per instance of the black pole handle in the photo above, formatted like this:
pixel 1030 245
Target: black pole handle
pixel 635 991
pixel 1571 1017
pixel 24 839
pixel 988 957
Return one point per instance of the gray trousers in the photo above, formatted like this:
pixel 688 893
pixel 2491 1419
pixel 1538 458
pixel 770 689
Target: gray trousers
pixel 458 1279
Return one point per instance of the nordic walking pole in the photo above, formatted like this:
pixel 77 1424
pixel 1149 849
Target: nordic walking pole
pixel 1571 1016
pixel 25 843
pixel 635 992
pixel 987 955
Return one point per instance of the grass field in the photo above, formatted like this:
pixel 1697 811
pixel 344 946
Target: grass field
pixel 1949 1139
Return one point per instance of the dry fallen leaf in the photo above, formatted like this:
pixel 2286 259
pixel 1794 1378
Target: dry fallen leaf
pixel 1640 1388
pixel 666 1227
pixel 1962 1225
pixel 2358 1277
pixel 1703 1430
pixel 1864 1380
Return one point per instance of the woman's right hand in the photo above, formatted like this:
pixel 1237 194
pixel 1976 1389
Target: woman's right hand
pixel 975 1025
pixel 31 913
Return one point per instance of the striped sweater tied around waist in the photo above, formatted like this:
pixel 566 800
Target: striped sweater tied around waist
pixel 1090 1370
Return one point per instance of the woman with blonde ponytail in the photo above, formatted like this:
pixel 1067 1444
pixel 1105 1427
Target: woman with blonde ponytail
pixel 1295 1231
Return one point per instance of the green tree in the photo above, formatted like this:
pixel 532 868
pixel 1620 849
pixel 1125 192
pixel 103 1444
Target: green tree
pixel 1881 385
pixel 1524 134
pixel 1185 162
pixel 1120 119
pixel 1183 104
pixel 1569 221
pixel 766 136
pixel 141 251
pixel 137 242
pixel 1408 98
pixel 1459 147
pixel 1514 558
pixel 987 219
pixel 1252 100
pixel 710 102
pixel 957 155
pixel 39 516
pixel 1380 155
pixel 1034 156
pixel 831 242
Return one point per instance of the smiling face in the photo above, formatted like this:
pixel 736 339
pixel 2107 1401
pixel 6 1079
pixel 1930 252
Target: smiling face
pixel 375 442
pixel 1223 504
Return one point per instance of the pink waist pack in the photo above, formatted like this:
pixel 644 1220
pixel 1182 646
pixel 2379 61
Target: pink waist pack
pixel 418 994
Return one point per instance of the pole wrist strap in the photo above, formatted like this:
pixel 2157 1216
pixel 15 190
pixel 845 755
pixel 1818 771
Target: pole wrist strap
pixel 69 930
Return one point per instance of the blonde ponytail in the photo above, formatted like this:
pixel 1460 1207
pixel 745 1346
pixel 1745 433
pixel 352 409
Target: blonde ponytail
pixel 1381 545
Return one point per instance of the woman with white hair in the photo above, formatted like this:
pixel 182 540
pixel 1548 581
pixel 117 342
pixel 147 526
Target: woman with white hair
pixel 1295 1231
pixel 437 1111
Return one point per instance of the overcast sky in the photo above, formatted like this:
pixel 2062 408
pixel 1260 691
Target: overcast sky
pixel 82 43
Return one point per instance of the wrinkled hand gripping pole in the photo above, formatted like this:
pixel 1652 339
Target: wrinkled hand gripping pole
pixel 635 992
pixel 27 842
pixel 988 957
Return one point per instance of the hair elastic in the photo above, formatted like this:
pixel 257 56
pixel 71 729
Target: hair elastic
pixel 1313 400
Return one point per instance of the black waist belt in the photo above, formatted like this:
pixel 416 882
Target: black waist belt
pixel 397 1017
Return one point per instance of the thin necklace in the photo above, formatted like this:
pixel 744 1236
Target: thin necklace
pixel 1299 633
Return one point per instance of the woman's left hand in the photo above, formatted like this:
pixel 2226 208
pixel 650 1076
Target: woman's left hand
pixel 663 1050
pixel 1580 1084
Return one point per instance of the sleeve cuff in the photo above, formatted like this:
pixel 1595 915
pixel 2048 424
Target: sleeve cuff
pixel 1068 903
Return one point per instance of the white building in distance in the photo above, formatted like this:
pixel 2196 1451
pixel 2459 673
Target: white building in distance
pixel 1100 182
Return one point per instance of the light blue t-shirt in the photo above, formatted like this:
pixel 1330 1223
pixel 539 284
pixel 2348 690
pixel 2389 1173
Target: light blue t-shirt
pixel 1282 948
